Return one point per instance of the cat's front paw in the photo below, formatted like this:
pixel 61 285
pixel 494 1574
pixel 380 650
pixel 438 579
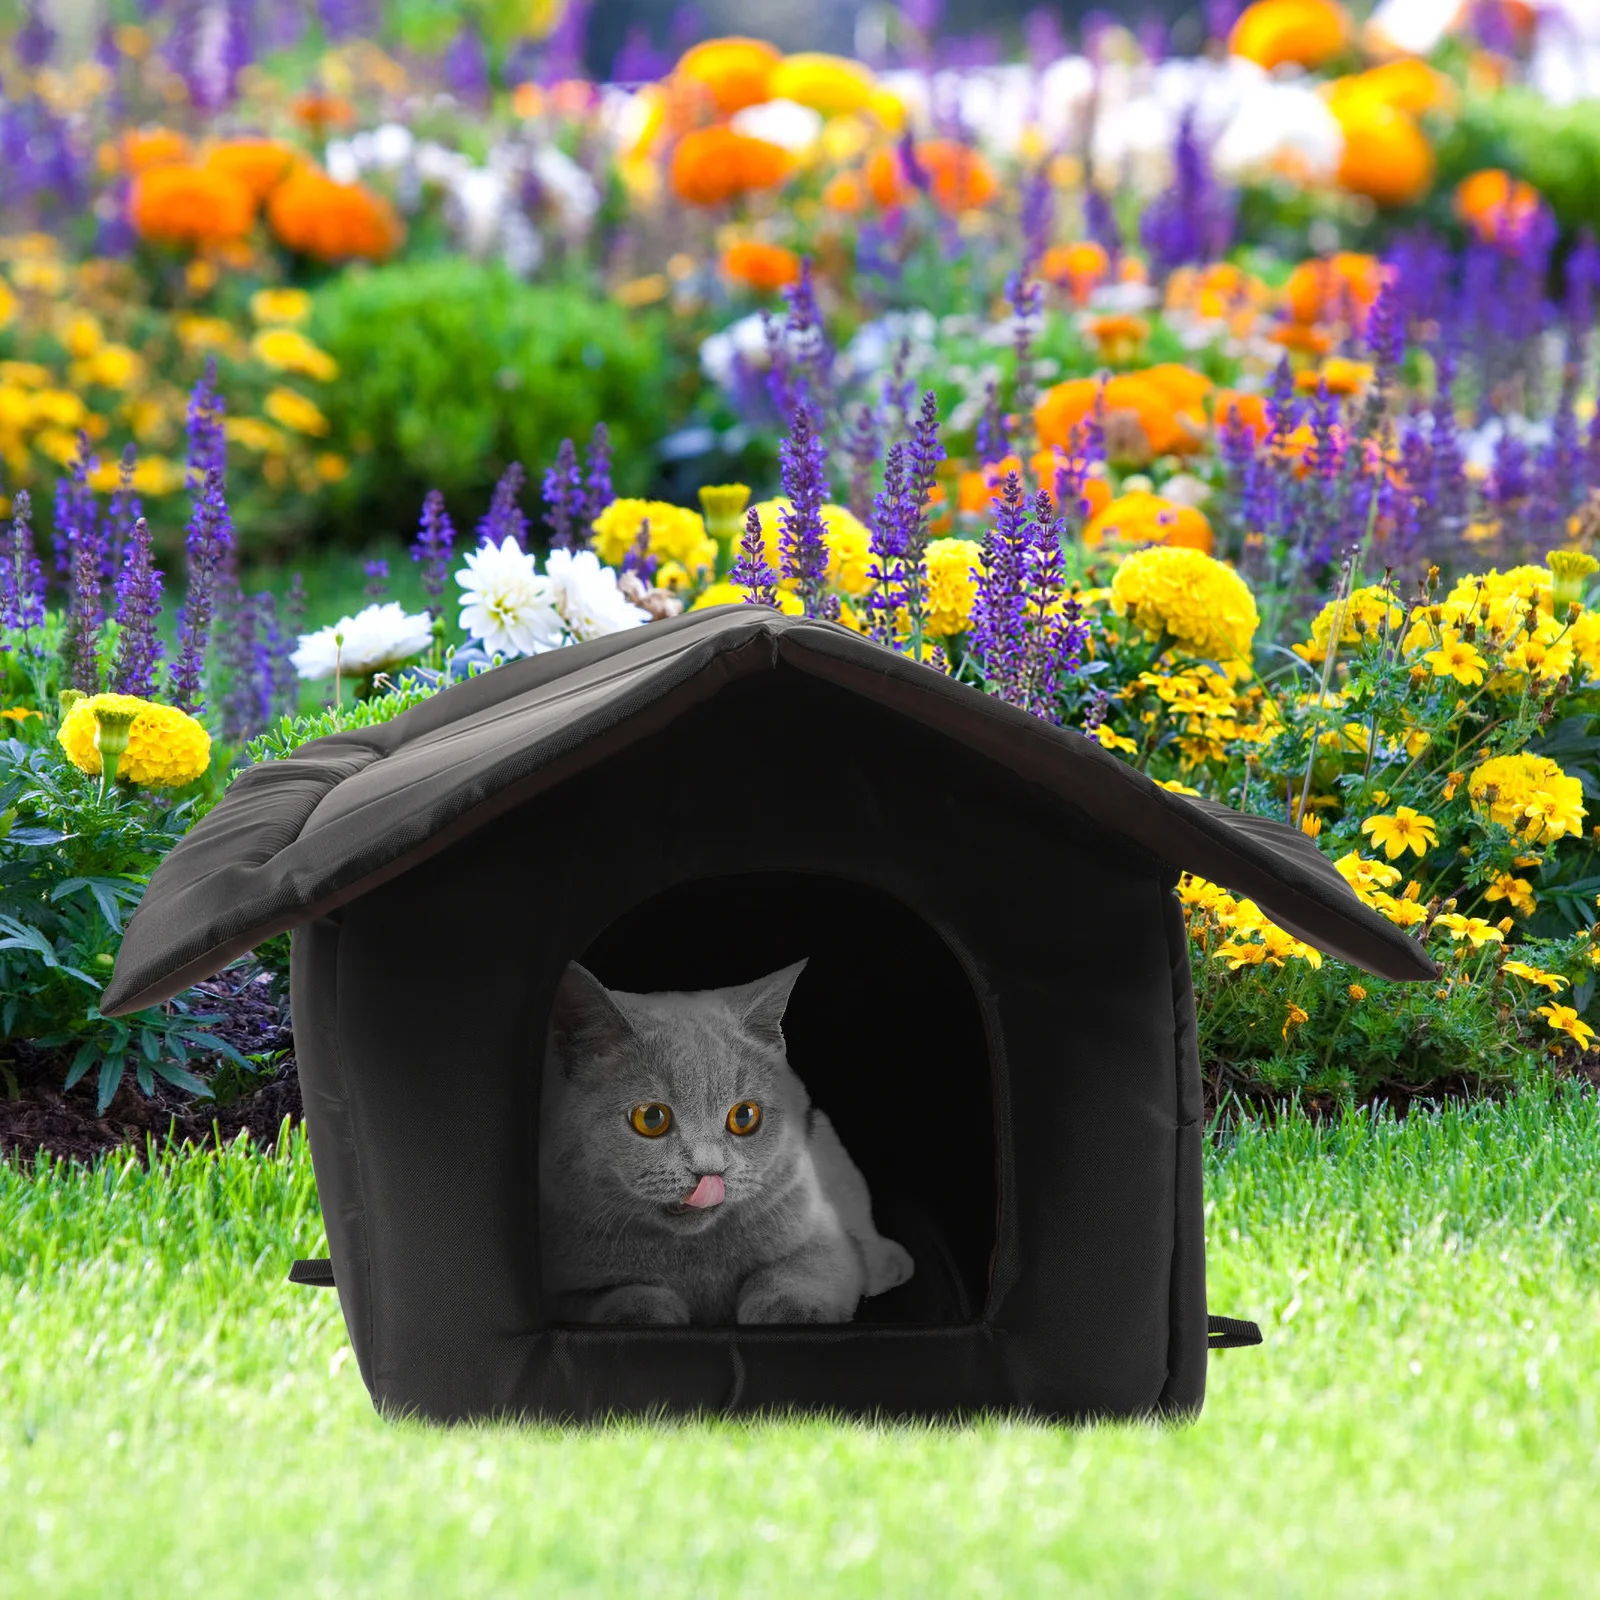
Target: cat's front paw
pixel 778 1305
pixel 641 1304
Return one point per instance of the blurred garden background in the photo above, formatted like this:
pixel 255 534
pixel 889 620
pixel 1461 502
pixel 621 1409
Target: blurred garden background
pixel 1216 381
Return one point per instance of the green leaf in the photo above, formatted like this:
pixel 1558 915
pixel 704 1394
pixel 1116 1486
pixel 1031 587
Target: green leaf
pixel 182 1080
pixel 110 1082
pixel 81 1062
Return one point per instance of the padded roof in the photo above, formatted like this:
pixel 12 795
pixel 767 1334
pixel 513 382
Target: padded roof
pixel 294 839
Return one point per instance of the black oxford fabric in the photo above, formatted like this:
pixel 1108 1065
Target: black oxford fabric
pixel 998 1016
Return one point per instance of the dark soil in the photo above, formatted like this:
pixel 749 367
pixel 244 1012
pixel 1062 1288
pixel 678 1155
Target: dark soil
pixel 43 1116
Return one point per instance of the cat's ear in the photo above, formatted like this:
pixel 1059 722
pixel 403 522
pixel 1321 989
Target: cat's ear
pixel 586 1025
pixel 761 1004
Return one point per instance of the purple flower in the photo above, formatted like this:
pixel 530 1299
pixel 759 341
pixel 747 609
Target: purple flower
pixel 992 443
pixel 891 538
pixel 1026 301
pixel 862 446
pixel 564 49
pixel 125 510
pixel 505 518
pixel 801 534
pixel 80 644
pixel 466 66
pixel 279 640
pixel 805 335
pixel 924 452
pixel 208 445
pixel 598 492
pixel 377 585
pixel 1100 223
pixel 564 498
pixel 999 610
pixel 1192 221
pixel 21 573
pixel 210 551
pixel 637 558
pixel 251 689
pixel 139 649
pixel 751 571
pixel 1038 220
pixel 76 514
pixel 432 548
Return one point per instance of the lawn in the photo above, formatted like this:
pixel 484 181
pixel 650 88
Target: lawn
pixel 1422 1420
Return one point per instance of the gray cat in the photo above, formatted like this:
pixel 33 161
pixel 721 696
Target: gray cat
pixel 684 1175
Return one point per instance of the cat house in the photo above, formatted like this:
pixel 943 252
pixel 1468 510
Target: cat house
pixel 995 1013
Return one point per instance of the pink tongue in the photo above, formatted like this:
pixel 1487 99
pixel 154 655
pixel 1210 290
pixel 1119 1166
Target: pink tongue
pixel 708 1192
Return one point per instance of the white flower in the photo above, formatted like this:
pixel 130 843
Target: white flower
pixel 587 596
pixel 378 637
pixel 570 190
pixel 507 605
pixel 1411 27
pixel 785 123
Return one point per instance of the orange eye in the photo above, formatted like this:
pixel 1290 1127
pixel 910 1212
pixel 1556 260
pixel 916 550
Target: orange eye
pixel 745 1117
pixel 651 1120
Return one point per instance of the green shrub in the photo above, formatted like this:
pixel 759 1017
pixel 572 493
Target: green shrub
pixel 449 370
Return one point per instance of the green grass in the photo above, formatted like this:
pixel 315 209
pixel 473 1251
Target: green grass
pixel 1422 1420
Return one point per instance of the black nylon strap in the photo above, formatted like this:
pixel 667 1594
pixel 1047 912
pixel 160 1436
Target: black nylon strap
pixel 314 1274
pixel 1229 1333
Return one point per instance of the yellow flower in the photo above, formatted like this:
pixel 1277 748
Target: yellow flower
pixel 1516 892
pixel 167 748
pixel 25 374
pixel 847 539
pixel 112 366
pixel 295 412
pixel 1475 929
pixel 196 333
pixel 330 466
pixel 1202 605
pixel 1172 786
pixel 1569 570
pixel 152 475
pixel 677 535
pixel 1528 794
pixel 1552 981
pixel 280 305
pixel 1457 658
pixel 1564 1019
pixel 952 585
pixel 1356 992
pixel 1366 876
pixel 82 335
pixel 832 85
pixel 728 594
pixel 1111 740
pixel 1293 1018
pixel 1363 613
pixel 288 350
pixel 1402 912
pixel 253 433
pixel 1406 829
pixel 18 713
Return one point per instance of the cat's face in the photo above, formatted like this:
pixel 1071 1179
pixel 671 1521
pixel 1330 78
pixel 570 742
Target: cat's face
pixel 681 1106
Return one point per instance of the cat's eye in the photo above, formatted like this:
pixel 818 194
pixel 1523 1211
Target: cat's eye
pixel 652 1119
pixel 744 1117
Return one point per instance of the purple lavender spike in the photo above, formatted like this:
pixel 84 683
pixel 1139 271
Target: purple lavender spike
pixel 1026 301
pixel 637 558
pixel 505 518
pixel 751 571
pixel 377 584
pixel 890 541
pixel 564 497
pixel 80 644
pixel 35 40
pixel 999 610
pixel 1038 220
pixel 1100 223
pixel 209 545
pixel 991 440
pixel 1193 220
pixel 924 452
pixel 279 639
pixel 801 534
pixel 432 548
pixel 22 586
pixel 139 649
pixel 862 446
pixel 805 335
pixel 208 445
pixel 466 66
pixel 597 491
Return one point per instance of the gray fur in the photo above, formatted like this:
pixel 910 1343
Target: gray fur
pixel 793 1239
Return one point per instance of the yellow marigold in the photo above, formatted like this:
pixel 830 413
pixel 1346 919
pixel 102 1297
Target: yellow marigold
pixel 1363 612
pixel 253 433
pixel 1303 33
pixel 1570 570
pixel 833 85
pixel 205 333
pixel 1553 981
pixel 1201 604
pixel 1478 931
pixel 952 585
pixel 728 594
pixel 295 412
pixel 1565 1019
pixel 1516 892
pixel 167 748
pixel 280 305
pixel 152 475
pixel 1406 829
pixel 288 350
pixel 676 534
pixel 734 72
pixel 112 366
pixel 1457 658
pixel 1528 794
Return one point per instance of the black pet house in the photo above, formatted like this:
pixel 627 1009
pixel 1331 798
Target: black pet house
pixel 997 1012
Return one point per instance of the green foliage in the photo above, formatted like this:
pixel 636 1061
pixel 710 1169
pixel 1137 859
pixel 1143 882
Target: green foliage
pixel 449 370
pixel 73 865
pixel 1427 1288
pixel 289 733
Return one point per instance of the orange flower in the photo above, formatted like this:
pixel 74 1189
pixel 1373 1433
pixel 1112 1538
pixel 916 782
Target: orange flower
pixel 1386 157
pixel 761 266
pixel 331 221
pixel 843 192
pixel 734 72
pixel 188 206
pixel 259 164
pixel 1096 491
pixel 1301 32
pixel 1328 289
pixel 140 148
pixel 1152 413
pixel 1078 267
pixel 1143 518
pixel 319 111
pixel 1304 338
pixel 1249 410
pixel 713 165
pixel 1408 85
pixel 1118 335
pixel 958 178
pixel 1496 205
pixel 977 491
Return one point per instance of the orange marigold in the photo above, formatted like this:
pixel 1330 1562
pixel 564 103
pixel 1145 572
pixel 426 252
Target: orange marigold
pixel 1302 32
pixel 1144 518
pixel 139 148
pixel 259 164
pixel 734 71
pixel 1246 410
pixel 318 110
pixel 1327 289
pixel 1496 205
pixel 957 176
pixel 1078 268
pixel 843 192
pixel 1386 156
pixel 188 206
pixel 761 266
pixel 331 221
pixel 713 165
pixel 1156 412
